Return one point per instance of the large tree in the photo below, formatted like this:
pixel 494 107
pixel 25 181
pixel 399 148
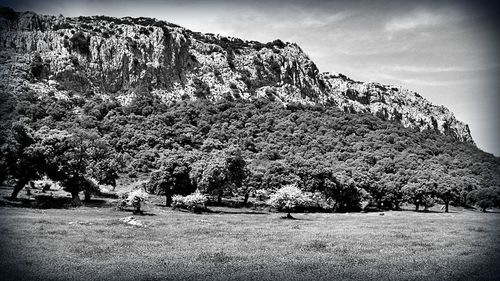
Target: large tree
pixel 418 194
pixel 172 177
pixel 69 157
pixel 20 160
pixel 485 197
pixel 447 190
pixel 105 163
pixel 220 171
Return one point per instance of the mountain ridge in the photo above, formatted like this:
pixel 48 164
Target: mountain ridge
pixel 120 57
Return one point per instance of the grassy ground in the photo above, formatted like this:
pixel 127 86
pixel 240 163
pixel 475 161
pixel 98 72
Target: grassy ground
pixel 90 243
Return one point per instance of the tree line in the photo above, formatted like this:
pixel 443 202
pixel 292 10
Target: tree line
pixel 236 147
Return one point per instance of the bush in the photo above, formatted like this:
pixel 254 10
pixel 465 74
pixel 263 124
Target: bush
pixel 485 203
pixel 80 43
pixel 37 67
pixel 288 198
pixel 202 89
pixel 261 194
pixel 135 198
pixel 195 202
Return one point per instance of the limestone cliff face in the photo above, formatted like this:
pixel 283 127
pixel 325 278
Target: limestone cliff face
pixel 118 57
pixel 393 103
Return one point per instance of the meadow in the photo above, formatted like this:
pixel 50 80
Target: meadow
pixel 91 243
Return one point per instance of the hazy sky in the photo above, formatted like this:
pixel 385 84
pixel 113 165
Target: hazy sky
pixel 445 50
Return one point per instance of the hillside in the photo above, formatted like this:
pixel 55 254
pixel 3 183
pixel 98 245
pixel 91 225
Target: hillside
pixel 100 98
pixel 115 57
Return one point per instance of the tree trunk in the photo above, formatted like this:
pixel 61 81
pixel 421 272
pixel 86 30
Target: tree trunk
pixel 168 201
pixel 76 198
pixel 245 200
pixel 87 196
pixel 17 188
pixel 30 187
pixel 137 210
pixel 219 198
pixel 484 210
pixel 396 206
pixel 417 206
pixel 446 203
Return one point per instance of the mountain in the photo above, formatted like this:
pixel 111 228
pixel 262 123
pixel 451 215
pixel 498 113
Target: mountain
pixel 128 101
pixel 120 57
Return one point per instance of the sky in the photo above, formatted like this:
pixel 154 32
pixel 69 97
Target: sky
pixel 447 51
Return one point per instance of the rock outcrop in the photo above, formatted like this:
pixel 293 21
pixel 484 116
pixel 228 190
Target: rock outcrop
pixel 116 58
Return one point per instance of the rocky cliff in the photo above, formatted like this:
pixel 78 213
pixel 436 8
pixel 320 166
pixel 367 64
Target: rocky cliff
pixel 118 57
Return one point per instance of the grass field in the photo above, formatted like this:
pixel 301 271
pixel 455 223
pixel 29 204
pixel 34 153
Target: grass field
pixel 240 244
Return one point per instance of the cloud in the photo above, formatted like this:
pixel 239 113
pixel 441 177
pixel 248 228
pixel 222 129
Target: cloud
pixel 419 19
pixel 434 69
pixel 411 81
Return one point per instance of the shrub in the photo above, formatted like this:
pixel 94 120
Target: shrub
pixel 80 43
pixel 37 67
pixel 135 198
pixel 137 194
pixel 202 89
pixel 288 198
pixel 195 202
pixel 261 194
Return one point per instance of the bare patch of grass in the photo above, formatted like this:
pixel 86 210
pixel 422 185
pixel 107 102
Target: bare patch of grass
pixel 316 245
pixel 122 236
pixel 421 244
pixel 479 229
pixel 216 257
pixel 401 235
pixel 57 232
pixel 92 251
pixel 465 253
pixel 114 223
pixel 307 266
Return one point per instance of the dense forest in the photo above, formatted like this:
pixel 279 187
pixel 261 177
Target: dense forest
pixel 235 147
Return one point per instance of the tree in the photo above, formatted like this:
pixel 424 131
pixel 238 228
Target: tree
pixel 484 197
pixel 236 169
pixel 287 199
pixel 253 182
pixel 447 191
pixel 21 162
pixel 172 177
pixel 105 163
pixel 219 171
pixel 417 194
pixel 344 192
pixel 68 158
pixel 105 171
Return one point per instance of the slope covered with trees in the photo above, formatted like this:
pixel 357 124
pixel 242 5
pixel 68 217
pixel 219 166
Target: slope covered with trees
pixel 230 147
